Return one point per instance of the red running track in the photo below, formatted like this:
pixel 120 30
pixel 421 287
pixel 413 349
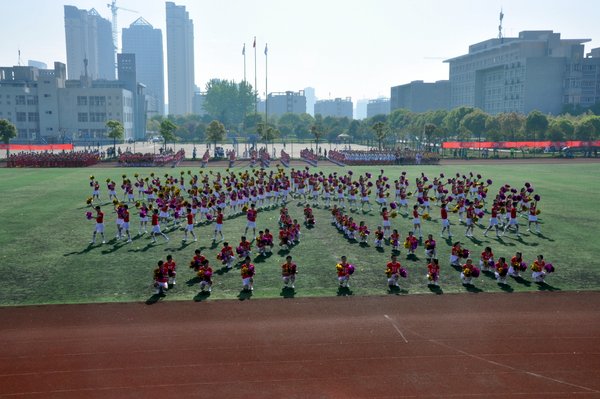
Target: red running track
pixel 529 345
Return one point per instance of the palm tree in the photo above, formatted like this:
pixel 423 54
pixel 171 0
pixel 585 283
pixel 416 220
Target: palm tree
pixel 7 131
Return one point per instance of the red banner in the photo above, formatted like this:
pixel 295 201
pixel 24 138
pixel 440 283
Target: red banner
pixel 518 144
pixel 37 147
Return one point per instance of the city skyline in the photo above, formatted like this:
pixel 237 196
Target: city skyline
pixel 367 49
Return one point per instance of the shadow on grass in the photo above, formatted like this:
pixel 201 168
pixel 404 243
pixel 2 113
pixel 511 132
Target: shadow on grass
pixel 282 252
pixel 287 292
pixel 521 280
pixel 143 249
pixel 472 288
pixel 114 248
pixel 244 295
pixel 183 245
pixel 393 290
pixel 223 270
pixel 193 281
pixel 505 287
pixel 547 287
pixel 544 237
pixel 489 273
pixel 475 240
pixel 412 257
pixel 262 258
pixel 202 296
pixel 154 299
pixel 83 251
pixel 436 289
pixel 364 245
pixel 379 249
pixel 344 291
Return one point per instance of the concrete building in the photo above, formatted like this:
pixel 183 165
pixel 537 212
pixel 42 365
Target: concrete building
pixel 536 70
pixel 146 43
pixel 46 107
pixel 380 106
pixel 127 68
pixel 309 93
pixel 286 102
pixel 37 64
pixel 89 36
pixel 418 96
pixel 198 103
pixel 360 110
pixel 339 107
pixel 590 79
pixel 180 59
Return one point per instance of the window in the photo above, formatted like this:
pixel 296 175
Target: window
pixel 82 100
pixel 19 100
pixel 82 117
pixel 32 100
pixel 46 95
pixel 97 117
pixel 97 101
pixel 21 116
pixel 34 117
pixel 48 112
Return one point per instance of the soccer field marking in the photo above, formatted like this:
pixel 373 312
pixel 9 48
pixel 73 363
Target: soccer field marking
pixel 396 327
pixel 512 368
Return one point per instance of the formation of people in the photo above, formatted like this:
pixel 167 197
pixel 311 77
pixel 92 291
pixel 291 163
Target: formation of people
pixel 187 200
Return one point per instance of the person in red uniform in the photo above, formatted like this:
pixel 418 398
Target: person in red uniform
pixel 171 267
pixel 386 222
pixel 244 248
pixel 501 270
pixel 288 272
pixel 513 222
pixel 469 220
pixel 486 262
pixel 344 271
pixel 430 245
pixel 197 260
pixel 226 255
pixel 416 221
pixel 251 217
pixel 433 272
pixel 205 275
pixel 190 225
pixel 161 279
pixel 219 225
pixel 411 243
pixel 493 220
pixel 445 221
pixel 268 238
pixel 392 272
pixel 517 265
pixel 156 227
pixel 125 224
pixel 99 225
pixel 247 271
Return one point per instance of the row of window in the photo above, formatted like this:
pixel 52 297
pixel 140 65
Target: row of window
pixel 94 101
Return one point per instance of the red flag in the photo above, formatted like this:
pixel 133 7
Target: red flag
pixel 254 45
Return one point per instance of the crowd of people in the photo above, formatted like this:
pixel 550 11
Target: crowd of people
pixel 285 157
pixel 168 157
pixel 383 157
pixel 309 155
pixel 64 159
pixel 182 202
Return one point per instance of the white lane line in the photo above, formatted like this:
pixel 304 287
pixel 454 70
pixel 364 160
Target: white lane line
pixel 396 327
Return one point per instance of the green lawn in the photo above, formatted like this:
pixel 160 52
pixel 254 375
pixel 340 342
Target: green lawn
pixel 45 255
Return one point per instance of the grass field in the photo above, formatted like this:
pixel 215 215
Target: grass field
pixel 45 257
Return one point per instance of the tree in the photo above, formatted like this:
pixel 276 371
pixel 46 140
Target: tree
pixel 454 118
pixel 560 129
pixel 428 131
pixel 380 130
pixel 229 102
pixel 167 131
pixel 474 123
pixel 493 129
pixel 116 131
pixel 512 124
pixel 536 124
pixel 215 132
pixel 7 131
pixel 317 131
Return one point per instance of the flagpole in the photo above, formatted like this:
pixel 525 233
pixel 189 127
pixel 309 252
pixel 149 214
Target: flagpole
pixel 266 87
pixel 244 54
pixel 255 84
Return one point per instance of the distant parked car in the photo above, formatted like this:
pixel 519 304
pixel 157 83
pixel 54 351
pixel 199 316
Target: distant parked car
pixel 157 139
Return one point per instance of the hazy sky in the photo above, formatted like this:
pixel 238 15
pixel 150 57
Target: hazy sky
pixel 343 48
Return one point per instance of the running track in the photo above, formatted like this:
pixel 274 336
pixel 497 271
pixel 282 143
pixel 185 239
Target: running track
pixel 525 345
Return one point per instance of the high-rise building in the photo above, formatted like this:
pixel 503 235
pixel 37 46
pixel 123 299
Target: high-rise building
pixel 536 70
pixel 360 110
pixel 309 93
pixel 286 102
pixel 180 59
pixel 339 107
pixel 380 106
pixel 146 43
pixel 89 37
pixel 126 66
pixel 418 96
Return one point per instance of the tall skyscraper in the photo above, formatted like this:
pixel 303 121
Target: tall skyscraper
pixel 145 42
pixel 89 36
pixel 180 59
pixel 309 93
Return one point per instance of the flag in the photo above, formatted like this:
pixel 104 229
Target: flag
pixel 254 45
pixel 244 49
pixel 266 49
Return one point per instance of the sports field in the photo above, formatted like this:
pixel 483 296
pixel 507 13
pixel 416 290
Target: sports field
pixel 45 256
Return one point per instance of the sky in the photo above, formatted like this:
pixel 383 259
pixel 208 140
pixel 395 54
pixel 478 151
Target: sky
pixel 342 48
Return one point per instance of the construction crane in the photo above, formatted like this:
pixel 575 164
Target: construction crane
pixel 115 31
